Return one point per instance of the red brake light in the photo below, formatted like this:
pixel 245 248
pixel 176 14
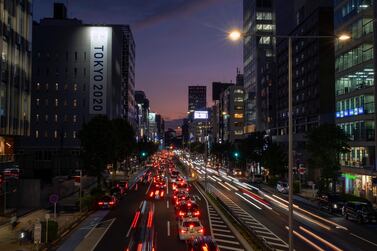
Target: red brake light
pixel 151 194
pixel 111 202
pixel 181 213
pixel 201 230
pixel 162 193
pixel 197 213
pixel 183 231
pixel 100 203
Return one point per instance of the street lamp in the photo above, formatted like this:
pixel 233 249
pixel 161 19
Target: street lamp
pixel 236 35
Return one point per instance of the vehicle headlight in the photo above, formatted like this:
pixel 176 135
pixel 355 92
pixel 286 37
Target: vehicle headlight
pixel 335 206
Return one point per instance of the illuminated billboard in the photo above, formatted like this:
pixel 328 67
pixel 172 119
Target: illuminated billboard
pixel 100 55
pixel 201 115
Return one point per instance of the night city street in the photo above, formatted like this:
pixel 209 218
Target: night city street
pixel 188 125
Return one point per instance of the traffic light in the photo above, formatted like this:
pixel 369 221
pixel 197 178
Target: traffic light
pixel 236 155
pixel 143 154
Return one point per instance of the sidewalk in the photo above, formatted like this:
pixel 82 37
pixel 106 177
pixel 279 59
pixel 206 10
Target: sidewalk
pixel 9 237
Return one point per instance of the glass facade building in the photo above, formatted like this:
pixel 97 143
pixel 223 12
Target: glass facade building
pixel 355 94
pixel 259 58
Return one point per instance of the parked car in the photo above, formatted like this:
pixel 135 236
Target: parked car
pixel 362 212
pixel 332 202
pixel 282 187
pixel 189 228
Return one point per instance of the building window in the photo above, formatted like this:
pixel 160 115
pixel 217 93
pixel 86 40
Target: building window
pixel 56 102
pixel 55 134
pixel 46 102
pixel 36 134
pixel 37 101
pixel 56 117
pixel 265 40
pixel 74 102
pixel 46 134
pixel 75 87
pixel 38 86
pixel 56 86
pixel 46 87
pixel 37 117
pixel 65 102
pixel 66 87
pixel 74 118
pixel 65 118
pixel 74 134
pixel 238 116
pixel 46 117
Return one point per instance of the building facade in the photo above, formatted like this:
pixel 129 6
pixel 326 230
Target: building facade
pixel 142 115
pixel 313 76
pixel 232 113
pixel 79 71
pixel 197 98
pixel 15 83
pixel 259 51
pixel 355 93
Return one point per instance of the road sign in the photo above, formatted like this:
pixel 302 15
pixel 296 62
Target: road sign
pixel 302 170
pixel 53 198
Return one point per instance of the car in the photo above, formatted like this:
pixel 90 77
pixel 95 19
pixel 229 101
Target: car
pixel 179 195
pixel 107 202
pixel 282 187
pixel 184 210
pixel 332 202
pixel 203 243
pixel 182 186
pixel 157 192
pixel 190 228
pixel 362 212
pixel 237 172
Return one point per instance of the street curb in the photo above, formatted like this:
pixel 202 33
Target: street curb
pixel 235 231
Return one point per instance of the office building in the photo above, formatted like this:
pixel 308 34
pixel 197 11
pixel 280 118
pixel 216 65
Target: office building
pixel 355 93
pixel 259 70
pixel 197 98
pixel 313 76
pixel 142 115
pixel 15 82
pixel 79 71
pixel 232 114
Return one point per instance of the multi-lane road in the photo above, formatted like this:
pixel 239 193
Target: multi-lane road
pixel 112 229
pixel 265 213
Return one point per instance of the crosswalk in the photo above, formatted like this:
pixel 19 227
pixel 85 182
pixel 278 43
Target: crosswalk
pixel 271 239
pixel 225 239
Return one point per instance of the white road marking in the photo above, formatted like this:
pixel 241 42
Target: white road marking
pixel 148 188
pixel 361 238
pixel 103 234
pixel 226 241
pixel 168 225
pixel 226 236
pixel 167 204
pixel 221 230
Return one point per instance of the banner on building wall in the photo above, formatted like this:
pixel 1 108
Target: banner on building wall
pixel 100 53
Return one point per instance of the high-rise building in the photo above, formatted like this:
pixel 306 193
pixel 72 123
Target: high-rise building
pixel 142 115
pixel 15 82
pixel 232 114
pixel 313 75
pixel 259 51
pixel 355 93
pixel 197 98
pixel 79 71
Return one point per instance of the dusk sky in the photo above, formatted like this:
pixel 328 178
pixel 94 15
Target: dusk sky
pixel 178 43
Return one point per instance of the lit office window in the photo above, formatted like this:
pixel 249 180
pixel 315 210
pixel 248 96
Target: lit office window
pixel 38 86
pixel 56 86
pixel 74 102
pixel 37 101
pixel 56 117
pixel 56 102
pixel 75 87
pixel 55 134
pixel 238 115
pixel 74 118
pixel 74 134
pixel 37 117
pixel 36 134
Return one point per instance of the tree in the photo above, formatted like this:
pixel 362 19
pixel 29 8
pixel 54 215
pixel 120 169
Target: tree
pixel 275 160
pixel 124 140
pixel 145 148
pixel 97 142
pixel 197 147
pixel 251 148
pixel 324 145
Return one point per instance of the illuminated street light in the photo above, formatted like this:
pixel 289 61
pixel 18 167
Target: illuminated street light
pixel 344 37
pixel 235 35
